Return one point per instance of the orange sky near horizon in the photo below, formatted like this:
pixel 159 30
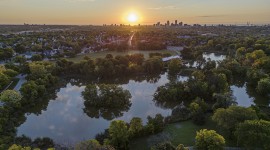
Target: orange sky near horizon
pixel 148 12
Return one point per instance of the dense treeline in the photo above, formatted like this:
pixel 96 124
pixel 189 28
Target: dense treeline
pixel 111 67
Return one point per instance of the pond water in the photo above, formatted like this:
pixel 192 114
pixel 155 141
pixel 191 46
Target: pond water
pixel 214 56
pixel 207 57
pixel 65 121
pixel 241 95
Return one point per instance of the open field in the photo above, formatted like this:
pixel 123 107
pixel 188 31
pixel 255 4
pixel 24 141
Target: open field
pixel 115 53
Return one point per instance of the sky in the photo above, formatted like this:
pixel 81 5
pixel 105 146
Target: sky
pixel 98 12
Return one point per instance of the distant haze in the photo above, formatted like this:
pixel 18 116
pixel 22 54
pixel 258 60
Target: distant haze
pixel 98 12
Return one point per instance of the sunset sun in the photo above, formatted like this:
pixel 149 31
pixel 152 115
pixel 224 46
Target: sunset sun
pixel 132 17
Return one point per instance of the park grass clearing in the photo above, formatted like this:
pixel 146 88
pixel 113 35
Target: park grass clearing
pixel 185 132
pixel 115 53
pixel 177 133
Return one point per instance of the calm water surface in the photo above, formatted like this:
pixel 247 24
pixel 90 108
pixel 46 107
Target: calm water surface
pixel 66 123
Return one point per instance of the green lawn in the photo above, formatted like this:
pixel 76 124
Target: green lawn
pixel 177 133
pixel 115 53
pixel 185 132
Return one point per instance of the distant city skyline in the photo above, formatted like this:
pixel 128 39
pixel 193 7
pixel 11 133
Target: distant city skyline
pixel 98 12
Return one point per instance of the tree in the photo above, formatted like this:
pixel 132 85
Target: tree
pixel 11 98
pixel 32 91
pixel 106 95
pixel 223 100
pixel 19 48
pixel 10 72
pixel 43 143
pixel 155 125
pixel 153 65
pixel 263 86
pixel 209 140
pixel 136 127
pixel 198 108
pixel 4 80
pixel 118 134
pixel 163 146
pixel 229 118
pixel 87 145
pixel 257 54
pixel 175 66
pixel 254 134
pixel 181 147
pixel 18 147
pixel 6 53
pixel 20 59
pixel 36 57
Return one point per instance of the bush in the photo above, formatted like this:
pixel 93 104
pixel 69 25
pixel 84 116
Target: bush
pixel 209 140
pixel 163 146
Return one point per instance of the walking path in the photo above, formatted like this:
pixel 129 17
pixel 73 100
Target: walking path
pixel 20 83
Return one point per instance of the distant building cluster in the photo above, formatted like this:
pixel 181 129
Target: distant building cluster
pixel 175 23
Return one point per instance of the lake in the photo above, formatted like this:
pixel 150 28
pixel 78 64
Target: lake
pixel 65 121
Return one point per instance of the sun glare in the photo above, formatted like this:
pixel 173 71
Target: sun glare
pixel 132 17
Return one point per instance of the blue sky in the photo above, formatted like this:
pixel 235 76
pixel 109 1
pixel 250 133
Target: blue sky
pixel 149 11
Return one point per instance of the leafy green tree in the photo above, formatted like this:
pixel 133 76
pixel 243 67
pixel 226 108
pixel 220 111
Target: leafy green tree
pixel 198 108
pixel 6 53
pixel 36 57
pixel 119 136
pixel 209 140
pixel 153 65
pixel 155 125
pixel 19 48
pixel 20 59
pixel 257 54
pixel 175 66
pixel 43 143
pixel 87 145
pixel 106 95
pixel 32 91
pixel 263 86
pixel 240 52
pixel 181 147
pixel 18 147
pixel 23 140
pixel 229 118
pixel 254 134
pixel 11 99
pixel 10 72
pixel 163 146
pixel 135 127
pixel 4 80
pixel 223 100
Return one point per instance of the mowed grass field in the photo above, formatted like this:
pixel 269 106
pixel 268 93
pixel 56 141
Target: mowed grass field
pixel 115 53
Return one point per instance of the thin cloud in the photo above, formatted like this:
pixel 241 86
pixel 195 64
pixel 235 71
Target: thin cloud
pixel 164 7
pixel 210 16
pixel 80 0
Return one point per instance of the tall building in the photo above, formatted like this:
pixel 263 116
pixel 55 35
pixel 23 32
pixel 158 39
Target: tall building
pixel 168 23
pixel 176 22
pixel 180 23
